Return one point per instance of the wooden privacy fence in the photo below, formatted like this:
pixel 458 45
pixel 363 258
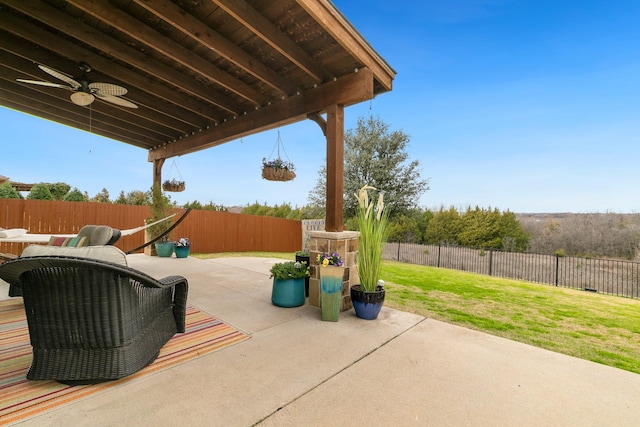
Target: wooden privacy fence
pixel 209 231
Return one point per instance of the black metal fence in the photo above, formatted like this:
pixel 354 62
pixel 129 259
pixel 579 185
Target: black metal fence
pixel 615 277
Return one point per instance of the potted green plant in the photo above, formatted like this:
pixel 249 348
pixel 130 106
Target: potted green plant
pixel 160 207
pixel 181 247
pixel 288 283
pixel 368 296
pixel 331 282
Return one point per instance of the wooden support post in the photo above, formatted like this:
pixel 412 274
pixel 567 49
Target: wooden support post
pixel 157 171
pixel 335 168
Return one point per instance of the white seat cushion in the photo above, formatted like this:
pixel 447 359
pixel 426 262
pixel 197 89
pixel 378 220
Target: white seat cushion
pixel 103 253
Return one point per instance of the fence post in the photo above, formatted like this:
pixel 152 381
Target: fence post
pixel 439 246
pixel 557 267
pixel 490 261
pixel 398 251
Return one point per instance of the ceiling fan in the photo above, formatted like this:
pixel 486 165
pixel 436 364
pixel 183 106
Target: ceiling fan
pixel 84 90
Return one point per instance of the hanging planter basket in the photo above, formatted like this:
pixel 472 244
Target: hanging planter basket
pixel 278 169
pixel 173 185
pixel 277 174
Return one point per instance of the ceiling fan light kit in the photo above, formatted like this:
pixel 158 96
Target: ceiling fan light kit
pixel 84 90
pixel 82 98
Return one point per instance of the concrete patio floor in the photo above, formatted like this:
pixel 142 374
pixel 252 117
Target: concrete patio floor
pixel 400 370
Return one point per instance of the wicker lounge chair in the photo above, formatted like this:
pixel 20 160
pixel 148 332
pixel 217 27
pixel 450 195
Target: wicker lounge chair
pixel 91 320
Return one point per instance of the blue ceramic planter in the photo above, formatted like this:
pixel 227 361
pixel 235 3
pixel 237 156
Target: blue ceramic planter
pixel 367 304
pixel 287 293
pixel 182 251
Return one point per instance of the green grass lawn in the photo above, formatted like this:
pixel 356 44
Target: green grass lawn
pixel 600 328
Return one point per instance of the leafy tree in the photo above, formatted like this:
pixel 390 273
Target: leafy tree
pixel 7 191
pixel 102 197
pixel 406 228
pixel 193 205
pixel 122 198
pixel 208 207
pixel 444 227
pixel 284 211
pixel 376 156
pixel 514 237
pixel 480 228
pixel 40 192
pixel 279 211
pixel 74 195
pixel 135 197
pixel 59 190
pixel 311 212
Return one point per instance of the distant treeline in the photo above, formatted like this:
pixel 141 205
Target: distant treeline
pixel 587 235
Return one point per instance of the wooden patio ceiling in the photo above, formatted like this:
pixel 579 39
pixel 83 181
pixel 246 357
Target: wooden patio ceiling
pixel 202 72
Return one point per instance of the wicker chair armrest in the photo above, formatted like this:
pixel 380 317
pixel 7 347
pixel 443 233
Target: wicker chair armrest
pixel 180 286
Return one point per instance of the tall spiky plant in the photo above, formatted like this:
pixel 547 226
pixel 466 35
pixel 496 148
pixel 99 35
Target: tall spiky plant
pixel 372 224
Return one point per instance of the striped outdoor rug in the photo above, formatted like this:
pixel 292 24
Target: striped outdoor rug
pixel 20 399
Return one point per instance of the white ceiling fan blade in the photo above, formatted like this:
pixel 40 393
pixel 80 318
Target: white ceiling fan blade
pixel 57 74
pixel 108 89
pixel 115 100
pixel 82 98
pixel 43 83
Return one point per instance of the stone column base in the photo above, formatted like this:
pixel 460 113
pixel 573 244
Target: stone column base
pixel 345 243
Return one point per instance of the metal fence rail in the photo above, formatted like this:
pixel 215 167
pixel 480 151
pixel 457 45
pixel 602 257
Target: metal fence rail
pixel 608 276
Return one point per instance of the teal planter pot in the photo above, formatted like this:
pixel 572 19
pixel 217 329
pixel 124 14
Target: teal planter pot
pixel 182 251
pixel 164 249
pixel 287 293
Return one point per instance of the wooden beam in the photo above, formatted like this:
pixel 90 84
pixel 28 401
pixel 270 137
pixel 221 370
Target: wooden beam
pixel 157 171
pixel 263 28
pixel 178 106
pixel 105 12
pixel 349 38
pixel 75 28
pixel 335 168
pixel 348 90
pixel 216 42
pixel 316 117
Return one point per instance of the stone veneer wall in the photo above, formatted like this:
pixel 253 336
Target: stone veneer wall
pixel 345 243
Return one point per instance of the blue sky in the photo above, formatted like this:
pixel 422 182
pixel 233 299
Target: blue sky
pixel 521 105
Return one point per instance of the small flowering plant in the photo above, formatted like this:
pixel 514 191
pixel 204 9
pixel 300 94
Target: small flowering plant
pixel 325 259
pixel 278 164
pixel 183 241
pixel 289 270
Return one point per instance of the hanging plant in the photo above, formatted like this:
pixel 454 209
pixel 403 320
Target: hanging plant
pixel 173 185
pixel 278 169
